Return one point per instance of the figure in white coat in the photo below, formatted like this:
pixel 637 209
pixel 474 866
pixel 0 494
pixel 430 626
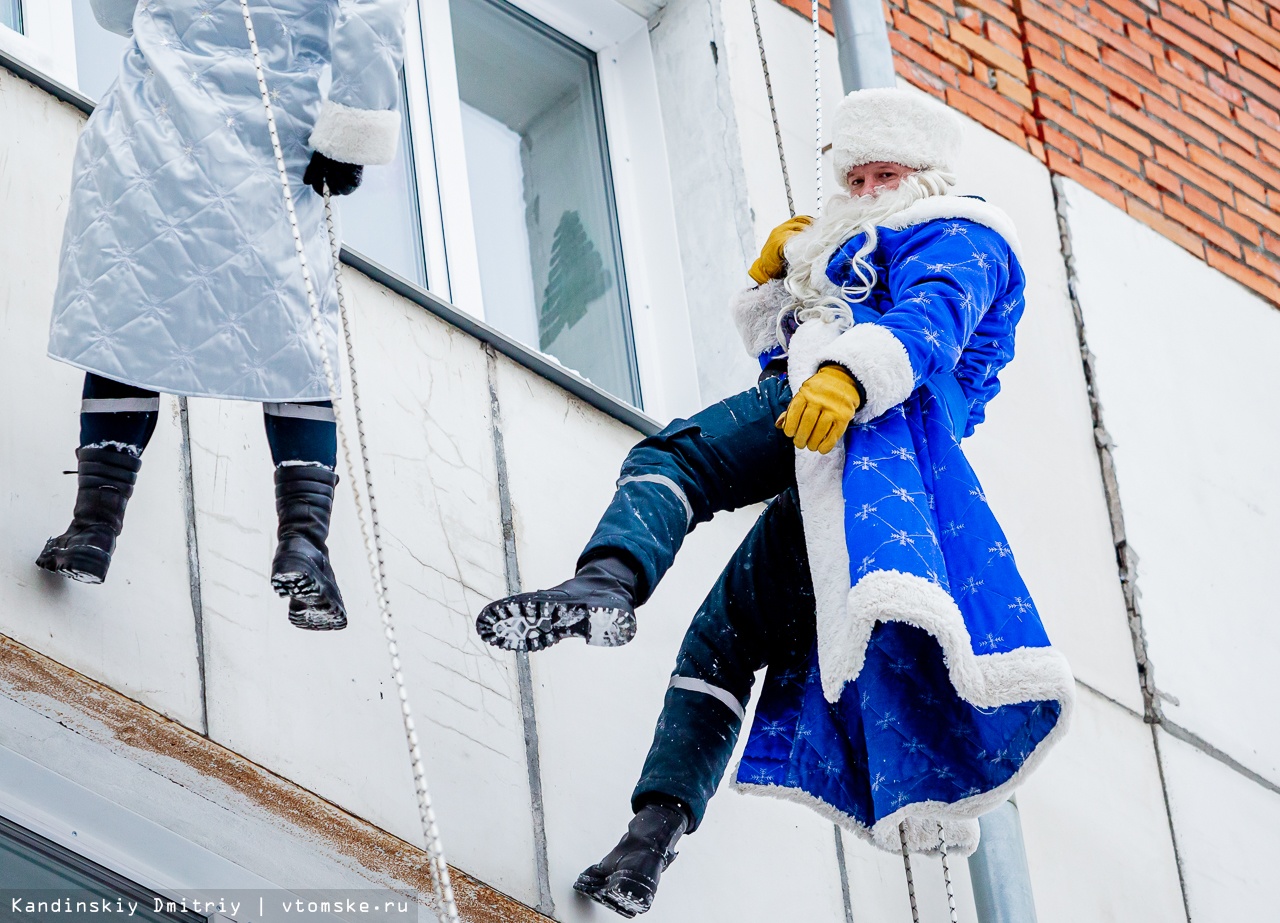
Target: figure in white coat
pixel 179 272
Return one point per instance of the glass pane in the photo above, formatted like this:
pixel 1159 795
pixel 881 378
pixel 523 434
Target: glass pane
pixel 541 195
pixel 11 14
pixel 44 882
pixel 380 220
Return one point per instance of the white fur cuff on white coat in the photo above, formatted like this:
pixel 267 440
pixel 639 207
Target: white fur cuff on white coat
pixel 755 312
pixel 363 136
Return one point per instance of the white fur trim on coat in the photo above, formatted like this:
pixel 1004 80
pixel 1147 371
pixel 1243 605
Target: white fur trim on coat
pixel 755 312
pixel 363 136
pixel 940 207
pixel 894 125
pixel 879 361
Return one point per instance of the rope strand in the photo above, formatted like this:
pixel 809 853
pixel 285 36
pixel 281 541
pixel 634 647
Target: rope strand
pixel 911 882
pixel 773 110
pixel 370 531
pixel 946 875
pixel 817 107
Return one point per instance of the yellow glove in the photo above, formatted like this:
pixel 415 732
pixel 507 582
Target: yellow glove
pixel 821 410
pixel 772 264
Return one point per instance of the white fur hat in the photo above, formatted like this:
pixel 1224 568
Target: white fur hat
pixel 896 126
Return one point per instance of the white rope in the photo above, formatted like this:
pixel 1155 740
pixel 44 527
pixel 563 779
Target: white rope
pixel 773 110
pixel 817 107
pixel 911 882
pixel 946 876
pixel 369 527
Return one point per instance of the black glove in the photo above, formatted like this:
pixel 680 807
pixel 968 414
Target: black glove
pixel 343 178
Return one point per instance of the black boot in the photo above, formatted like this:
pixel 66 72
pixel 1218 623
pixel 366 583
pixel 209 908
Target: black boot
pixel 105 484
pixel 300 569
pixel 597 604
pixel 626 880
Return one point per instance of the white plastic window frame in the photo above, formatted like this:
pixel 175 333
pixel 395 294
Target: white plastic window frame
pixel 44 43
pixel 642 185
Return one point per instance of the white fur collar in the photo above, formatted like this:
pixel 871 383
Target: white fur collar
pixel 939 207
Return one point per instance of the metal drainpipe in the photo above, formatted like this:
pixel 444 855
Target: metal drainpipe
pixel 866 60
pixel 1001 880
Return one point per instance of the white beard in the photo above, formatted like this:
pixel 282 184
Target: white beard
pixel 845 217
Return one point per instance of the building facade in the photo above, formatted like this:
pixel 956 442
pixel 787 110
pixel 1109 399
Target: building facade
pixel 173 730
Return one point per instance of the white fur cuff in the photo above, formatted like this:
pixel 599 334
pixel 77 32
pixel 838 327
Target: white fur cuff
pixel 755 312
pixel 364 136
pixel 879 361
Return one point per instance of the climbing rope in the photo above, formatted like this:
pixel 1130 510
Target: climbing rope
pixel 370 531
pixel 946 876
pixel 911 882
pixel 817 108
pixel 773 109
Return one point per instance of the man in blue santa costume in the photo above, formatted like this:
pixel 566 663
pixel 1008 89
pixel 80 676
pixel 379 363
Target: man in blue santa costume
pixel 911 685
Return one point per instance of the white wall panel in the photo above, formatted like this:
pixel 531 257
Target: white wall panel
pixel 135 632
pixel 1095 826
pixel 321 708
pixel 1225 824
pixel 1190 386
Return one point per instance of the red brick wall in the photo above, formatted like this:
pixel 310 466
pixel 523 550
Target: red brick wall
pixel 1170 109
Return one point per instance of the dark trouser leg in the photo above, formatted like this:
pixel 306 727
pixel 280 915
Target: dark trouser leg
pixel 724 457
pixel 761 610
pixel 303 439
pixel 116 423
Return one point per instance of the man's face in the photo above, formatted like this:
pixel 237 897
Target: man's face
pixel 874 178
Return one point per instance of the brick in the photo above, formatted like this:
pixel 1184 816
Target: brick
pixel 1252 62
pixel 1268 153
pixel 1223 89
pixel 1273 200
pixel 1195 7
pixel 1039 38
pixel 1232 267
pixel 1073 80
pixel 1202 30
pixel 1117 151
pixel 1251 164
pixel 1138 74
pixel 1158 222
pixel 911 27
pixel 1093 182
pixel 1181 121
pixel 1209 230
pixel 920 78
pixel 1263 264
pixel 1117 84
pixel 1264 131
pixel 1054 113
pixel 1129 10
pixel 1247 20
pixel 1161 177
pixel 1189 172
pixel 997 10
pixel 1036 147
pixel 948 51
pixel 1247 40
pixel 927 15
pixel 983 74
pixel 1103 122
pixel 1241 225
pixel 1226 127
pixel 1063 143
pixel 1210 206
pixel 1148 126
pixel 1060 27
pixel 937 68
pixel 1126 179
pixel 1002 105
pixel 1050 88
pixel 1016 90
pixel 1221 169
pixel 1141 36
pixel 1197 88
pixel 1179 39
pixel 988 51
pixel 1259 213
pixel 1004 38
pixel 986 116
pixel 1112 21
pixel 1271 242
pixel 947 6
pixel 1263 113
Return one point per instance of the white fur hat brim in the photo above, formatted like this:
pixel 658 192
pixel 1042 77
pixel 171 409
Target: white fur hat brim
pixel 895 126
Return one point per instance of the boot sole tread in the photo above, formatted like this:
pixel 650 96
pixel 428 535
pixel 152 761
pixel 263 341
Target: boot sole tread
pixel 533 624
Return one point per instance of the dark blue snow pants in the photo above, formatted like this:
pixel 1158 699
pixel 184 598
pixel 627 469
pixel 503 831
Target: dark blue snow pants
pixel 760 612
pixel 724 457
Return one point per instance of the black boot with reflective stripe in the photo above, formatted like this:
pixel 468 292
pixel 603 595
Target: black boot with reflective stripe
pixel 105 480
pixel 300 570
pixel 597 604
pixel 626 880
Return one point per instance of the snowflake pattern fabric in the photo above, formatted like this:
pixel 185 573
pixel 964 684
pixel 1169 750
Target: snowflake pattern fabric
pixel 905 739
pixel 178 270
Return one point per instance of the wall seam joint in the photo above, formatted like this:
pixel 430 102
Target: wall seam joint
pixel 193 556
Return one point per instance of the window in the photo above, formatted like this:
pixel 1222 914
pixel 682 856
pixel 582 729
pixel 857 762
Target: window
pixel 60 885
pixel 542 201
pixel 11 14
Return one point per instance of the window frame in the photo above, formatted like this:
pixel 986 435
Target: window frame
pixel 43 44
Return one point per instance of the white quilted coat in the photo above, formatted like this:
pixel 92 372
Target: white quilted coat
pixel 178 268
